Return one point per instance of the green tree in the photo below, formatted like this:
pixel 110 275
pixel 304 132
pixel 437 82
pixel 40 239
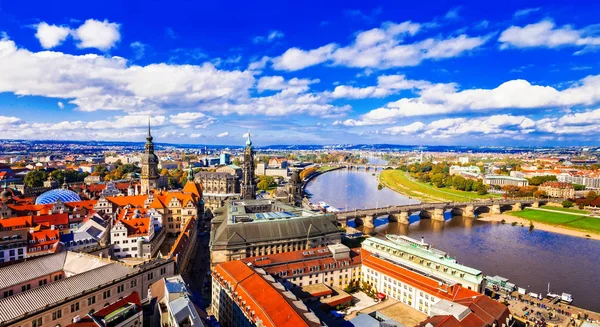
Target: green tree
pixel 481 188
pixel 567 204
pixel 35 178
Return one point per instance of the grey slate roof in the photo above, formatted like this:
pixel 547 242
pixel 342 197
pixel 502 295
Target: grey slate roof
pixel 239 234
pixel 31 269
pixel 37 298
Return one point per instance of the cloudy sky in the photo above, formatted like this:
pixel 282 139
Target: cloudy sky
pixel 301 72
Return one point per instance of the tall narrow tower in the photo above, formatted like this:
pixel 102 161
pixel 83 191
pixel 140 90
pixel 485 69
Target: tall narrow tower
pixel 149 175
pixel 248 183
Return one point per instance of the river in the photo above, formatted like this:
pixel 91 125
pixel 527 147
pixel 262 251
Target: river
pixel 529 259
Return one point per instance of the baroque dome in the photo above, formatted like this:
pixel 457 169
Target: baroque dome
pixel 57 194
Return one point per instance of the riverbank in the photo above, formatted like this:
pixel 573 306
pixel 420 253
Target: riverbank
pixel 400 182
pixel 509 219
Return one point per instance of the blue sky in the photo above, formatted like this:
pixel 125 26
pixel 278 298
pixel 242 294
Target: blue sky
pixel 523 73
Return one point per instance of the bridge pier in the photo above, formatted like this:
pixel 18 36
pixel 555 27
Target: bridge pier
pixel 369 221
pixel 496 209
pixel 401 217
pixel 535 204
pixel 469 211
pixel 438 214
pixel 517 207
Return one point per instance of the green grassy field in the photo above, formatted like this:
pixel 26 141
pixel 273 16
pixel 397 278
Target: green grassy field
pixel 400 182
pixel 326 168
pixel 564 209
pixel 560 219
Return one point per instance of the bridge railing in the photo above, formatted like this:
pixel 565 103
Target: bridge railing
pixel 440 205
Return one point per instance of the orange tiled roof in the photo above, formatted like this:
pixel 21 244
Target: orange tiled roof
pixel 16 222
pixel 137 226
pixel 54 219
pixel 416 280
pixel 134 200
pixel 268 304
pixel 193 188
pixel 49 237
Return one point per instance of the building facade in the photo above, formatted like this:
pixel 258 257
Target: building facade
pixel 244 296
pixel 218 187
pixel 420 256
pixel 245 228
pixel 558 189
pixel 70 285
pixel 502 180
pixel 334 265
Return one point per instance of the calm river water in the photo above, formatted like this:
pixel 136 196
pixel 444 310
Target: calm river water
pixel 528 259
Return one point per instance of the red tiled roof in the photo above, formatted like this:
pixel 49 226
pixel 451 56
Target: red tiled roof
pixel 556 185
pixel 301 259
pixel 268 304
pixel 54 219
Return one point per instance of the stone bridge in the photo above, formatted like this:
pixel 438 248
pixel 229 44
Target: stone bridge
pixel 436 211
pixel 367 167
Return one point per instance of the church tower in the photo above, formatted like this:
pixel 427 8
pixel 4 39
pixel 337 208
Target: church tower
pixel 149 175
pixel 249 182
pixel 295 191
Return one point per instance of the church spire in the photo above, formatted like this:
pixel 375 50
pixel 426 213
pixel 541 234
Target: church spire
pixel 149 137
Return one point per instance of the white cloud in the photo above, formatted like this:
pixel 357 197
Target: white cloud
pixel 272 36
pixel 386 85
pixel 440 99
pixel 51 36
pixel 224 134
pixel 107 83
pixel 350 92
pixel 405 130
pixel 60 105
pixel 259 64
pixel 189 119
pixel 525 12
pixel 497 125
pixel 195 135
pixel 380 48
pixel 295 59
pixel 271 83
pixel 5 120
pixel 278 83
pixel 101 35
pixel 546 34
pixel 139 49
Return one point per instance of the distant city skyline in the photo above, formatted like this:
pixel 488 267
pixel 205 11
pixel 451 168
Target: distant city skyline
pixel 523 74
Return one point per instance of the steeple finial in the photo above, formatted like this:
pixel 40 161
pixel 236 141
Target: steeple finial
pixel 149 137
pixel 249 142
